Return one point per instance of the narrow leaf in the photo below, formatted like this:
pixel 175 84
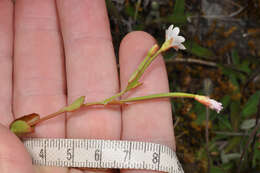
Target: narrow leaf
pixel 251 106
pixel 142 66
pixel 235 114
pixel 178 16
pixel 235 57
pixel 198 50
pixel 75 105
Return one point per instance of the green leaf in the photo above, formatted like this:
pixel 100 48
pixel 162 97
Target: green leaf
pixel 224 122
pixel 225 101
pixel 215 169
pixel 130 10
pixel 177 19
pixel 178 16
pixel 195 49
pixel 233 143
pixel 201 113
pixel 256 157
pixel 75 105
pixel 235 115
pixel 233 80
pixel 227 70
pixel 250 107
pixel 245 66
pixel 235 57
pixel 179 7
pixel 241 66
pixel 20 127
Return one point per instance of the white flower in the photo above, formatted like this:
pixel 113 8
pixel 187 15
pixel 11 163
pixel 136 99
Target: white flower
pixel 211 103
pixel 176 40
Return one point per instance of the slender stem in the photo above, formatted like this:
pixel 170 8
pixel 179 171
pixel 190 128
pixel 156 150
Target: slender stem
pixel 141 65
pixel 152 58
pixel 162 95
pixel 120 102
pixel 46 118
pixel 230 133
pixel 106 101
pixel 207 139
pixel 112 102
pixel 136 75
pixel 251 136
pixel 93 104
pixel 147 62
pixel 251 154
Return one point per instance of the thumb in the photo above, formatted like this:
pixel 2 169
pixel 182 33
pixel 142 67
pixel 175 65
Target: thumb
pixel 13 155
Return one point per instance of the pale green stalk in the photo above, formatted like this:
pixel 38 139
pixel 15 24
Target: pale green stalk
pixel 133 80
pixel 161 95
pixel 141 65
pixel 148 62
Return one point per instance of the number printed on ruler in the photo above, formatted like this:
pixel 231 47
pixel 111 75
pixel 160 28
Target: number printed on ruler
pixel 90 153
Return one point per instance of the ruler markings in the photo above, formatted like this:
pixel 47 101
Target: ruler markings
pixel 101 154
pixel 45 152
pixel 110 154
pixel 73 151
pixel 159 156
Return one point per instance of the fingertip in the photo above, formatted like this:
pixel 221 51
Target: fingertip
pixel 6 51
pixel 133 49
pixel 137 40
pixel 13 155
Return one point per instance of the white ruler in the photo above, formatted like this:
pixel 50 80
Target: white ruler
pixel 90 153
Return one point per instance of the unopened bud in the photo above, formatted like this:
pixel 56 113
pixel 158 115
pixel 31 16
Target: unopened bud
pixel 153 50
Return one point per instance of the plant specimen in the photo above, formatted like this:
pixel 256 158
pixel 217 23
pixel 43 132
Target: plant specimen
pixel 27 123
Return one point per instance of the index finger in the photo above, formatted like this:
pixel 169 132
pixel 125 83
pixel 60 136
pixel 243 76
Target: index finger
pixel 6 44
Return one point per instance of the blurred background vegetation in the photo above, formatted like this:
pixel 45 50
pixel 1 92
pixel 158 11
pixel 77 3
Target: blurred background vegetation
pixel 222 60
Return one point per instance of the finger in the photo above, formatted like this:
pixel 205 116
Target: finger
pixel 39 84
pixel 90 66
pixel 149 121
pixel 6 44
pixel 13 156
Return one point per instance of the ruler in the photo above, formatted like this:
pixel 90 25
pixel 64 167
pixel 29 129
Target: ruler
pixel 92 153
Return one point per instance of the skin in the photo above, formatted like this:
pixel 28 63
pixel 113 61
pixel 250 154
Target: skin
pixel 36 76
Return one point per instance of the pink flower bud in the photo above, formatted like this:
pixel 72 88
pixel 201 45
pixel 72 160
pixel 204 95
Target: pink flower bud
pixel 211 103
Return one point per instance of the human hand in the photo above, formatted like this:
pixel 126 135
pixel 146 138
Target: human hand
pixel 63 50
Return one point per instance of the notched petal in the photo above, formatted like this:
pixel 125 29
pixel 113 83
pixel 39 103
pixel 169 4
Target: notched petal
pixel 182 47
pixel 176 31
pixel 180 39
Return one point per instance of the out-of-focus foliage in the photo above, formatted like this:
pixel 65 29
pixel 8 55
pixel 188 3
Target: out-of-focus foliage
pixel 222 40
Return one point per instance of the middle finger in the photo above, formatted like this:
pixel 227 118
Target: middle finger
pixel 39 83
pixel 91 68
